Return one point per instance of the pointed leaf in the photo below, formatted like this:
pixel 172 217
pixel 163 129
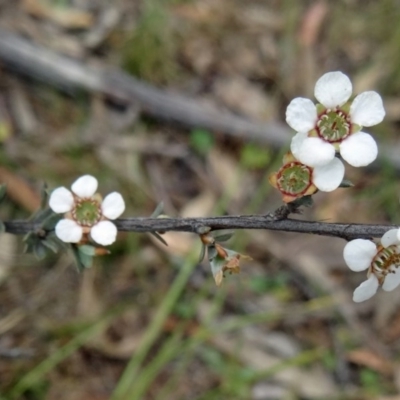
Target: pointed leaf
pixel 202 252
pixel 158 237
pixel 346 183
pixel 212 252
pixel 40 250
pixel 158 211
pixel 87 250
pixel 223 236
pixel 305 201
pixel 217 263
pixel 50 222
pixel 44 196
pixel 50 244
pixel 41 215
pixel 80 263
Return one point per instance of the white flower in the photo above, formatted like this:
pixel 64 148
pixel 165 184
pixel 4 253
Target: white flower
pixel 333 124
pixel 86 213
pixel 295 179
pixel 381 261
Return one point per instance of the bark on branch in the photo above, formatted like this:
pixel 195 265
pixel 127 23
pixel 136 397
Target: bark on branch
pixel 202 225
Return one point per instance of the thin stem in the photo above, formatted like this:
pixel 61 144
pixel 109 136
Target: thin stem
pixel 346 231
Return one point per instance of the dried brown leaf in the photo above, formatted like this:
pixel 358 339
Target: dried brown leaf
pixel 66 18
pixel 19 190
pixel 367 358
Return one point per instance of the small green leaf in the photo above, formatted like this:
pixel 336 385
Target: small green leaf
pixel 87 249
pixel 211 252
pixel 158 237
pixel 346 183
pixel 82 260
pixel 255 156
pixel 41 214
pixel 217 264
pixel 158 211
pixel 51 244
pixel 305 201
pixel 202 230
pixel 202 252
pixel 222 236
pixel 201 140
pixel 44 193
pixel 86 260
pixel 40 250
pixel 50 222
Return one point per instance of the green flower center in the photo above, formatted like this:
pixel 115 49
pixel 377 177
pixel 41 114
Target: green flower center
pixel 386 262
pixel 294 178
pixel 87 212
pixel 333 125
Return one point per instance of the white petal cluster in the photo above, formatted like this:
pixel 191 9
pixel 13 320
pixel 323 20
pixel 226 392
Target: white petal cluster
pixel 332 91
pixel 71 229
pixel 381 261
pixel 328 177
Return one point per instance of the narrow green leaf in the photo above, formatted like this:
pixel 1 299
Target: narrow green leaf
pixel 79 265
pixel 44 193
pixel 305 201
pixel 87 250
pixel 202 140
pixel 212 252
pixel 158 211
pixel 50 221
pixel 40 250
pixel 2 227
pixel 202 252
pixel 86 260
pixel 222 236
pixel 50 244
pixel 346 183
pixel 158 237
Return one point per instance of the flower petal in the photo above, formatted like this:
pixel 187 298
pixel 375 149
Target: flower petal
pixel 69 231
pixel 391 281
pixel 104 233
pixel 359 253
pixel 312 151
pixel 392 236
pixel 113 205
pixel 366 290
pixel 328 177
pixel 333 89
pixel 301 114
pixel 85 186
pixel 61 200
pixel 367 109
pixel 359 149
pixel 297 142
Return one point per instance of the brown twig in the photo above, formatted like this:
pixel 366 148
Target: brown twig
pixel 202 225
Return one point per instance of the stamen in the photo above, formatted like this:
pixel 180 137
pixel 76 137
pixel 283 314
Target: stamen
pixel 294 178
pixel 386 262
pixel 87 212
pixel 333 125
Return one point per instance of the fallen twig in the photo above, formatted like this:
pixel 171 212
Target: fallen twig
pixel 25 57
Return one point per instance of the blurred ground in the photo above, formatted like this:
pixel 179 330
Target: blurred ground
pixel 285 328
